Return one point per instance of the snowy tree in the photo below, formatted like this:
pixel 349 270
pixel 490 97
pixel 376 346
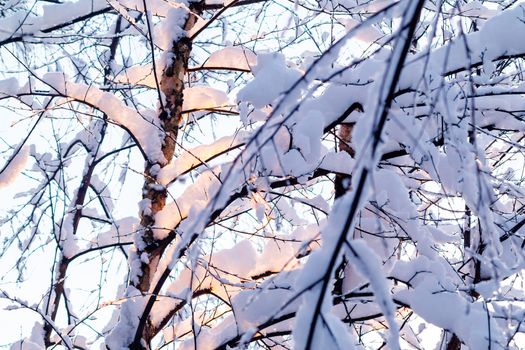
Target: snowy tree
pixel 262 174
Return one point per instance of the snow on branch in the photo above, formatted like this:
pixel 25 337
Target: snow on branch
pixel 362 186
pixel 14 166
pixel 20 26
pixel 144 125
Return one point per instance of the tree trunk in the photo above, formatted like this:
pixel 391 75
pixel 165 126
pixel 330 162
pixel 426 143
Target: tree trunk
pixel 148 249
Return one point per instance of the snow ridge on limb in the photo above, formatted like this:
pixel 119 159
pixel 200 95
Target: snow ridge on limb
pixel 14 166
pixel 19 27
pixel 145 127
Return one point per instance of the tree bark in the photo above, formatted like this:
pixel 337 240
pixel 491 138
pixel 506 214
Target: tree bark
pixel 172 86
pixel 341 185
pixel 148 248
pixel 342 181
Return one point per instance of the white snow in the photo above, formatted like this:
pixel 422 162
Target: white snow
pixel 272 77
pixel 14 166
pixel 20 24
pixel 194 157
pixel 170 29
pixel 143 125
pixel 234 57
pixel 204 97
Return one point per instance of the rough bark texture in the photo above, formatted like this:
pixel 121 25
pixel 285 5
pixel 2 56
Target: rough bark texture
pixel 172 87
pixel 342 182
pixel 454 343
pixel 341 185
